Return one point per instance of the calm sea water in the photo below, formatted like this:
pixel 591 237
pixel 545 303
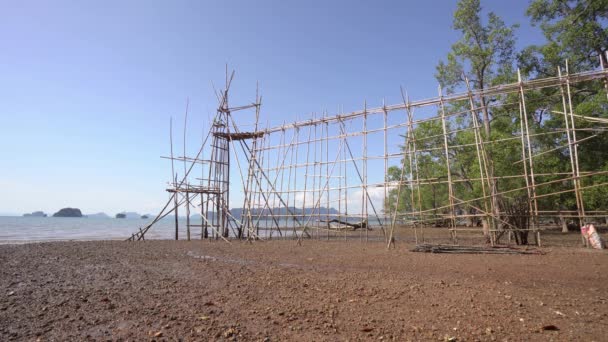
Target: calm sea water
pixel 28 229
pixel 35 229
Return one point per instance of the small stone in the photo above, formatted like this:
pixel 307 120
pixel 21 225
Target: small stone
pixel 550 327
pixel 158 334
pixel 229 332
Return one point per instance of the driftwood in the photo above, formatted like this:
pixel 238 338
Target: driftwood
pixel 354 226
pixel 428 248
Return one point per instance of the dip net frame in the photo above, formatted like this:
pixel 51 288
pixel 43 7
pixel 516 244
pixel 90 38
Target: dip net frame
pixel 415 170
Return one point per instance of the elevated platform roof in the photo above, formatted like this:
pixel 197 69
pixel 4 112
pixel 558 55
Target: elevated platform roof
pixel 196 190
pixel 239 136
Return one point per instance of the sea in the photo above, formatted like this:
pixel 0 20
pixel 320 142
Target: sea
pixel 18 229
pixel 15 229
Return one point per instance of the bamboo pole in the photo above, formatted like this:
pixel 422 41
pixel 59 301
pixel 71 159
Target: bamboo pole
pixel 526 132
pixel 385 203
pixel 447 165
pixel 414 172
pixel 185 170
pixel 306 176
pixel 575 149
pixel 478 145
pixel 364 185
pixel 327 176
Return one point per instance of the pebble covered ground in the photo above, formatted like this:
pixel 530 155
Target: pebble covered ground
pixel 278 291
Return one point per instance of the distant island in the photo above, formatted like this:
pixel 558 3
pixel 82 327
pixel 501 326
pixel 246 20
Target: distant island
pixel 128 215
pixel 145 217
pixel 98 215
pixel 68 212
pixel 35 214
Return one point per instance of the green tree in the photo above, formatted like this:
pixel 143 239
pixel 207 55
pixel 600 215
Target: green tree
pixel 577 32
pixel 484 55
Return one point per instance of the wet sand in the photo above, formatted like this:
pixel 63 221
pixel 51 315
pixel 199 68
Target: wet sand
pixel 277 291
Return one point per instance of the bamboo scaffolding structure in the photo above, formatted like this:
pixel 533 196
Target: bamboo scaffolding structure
pixel 294 179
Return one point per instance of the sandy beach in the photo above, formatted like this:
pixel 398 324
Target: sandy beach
pixel 277 291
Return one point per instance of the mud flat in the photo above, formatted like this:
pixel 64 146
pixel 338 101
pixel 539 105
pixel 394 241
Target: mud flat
pixel 277 291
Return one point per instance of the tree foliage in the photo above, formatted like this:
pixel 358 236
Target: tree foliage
pixel 485 55
pixel 574 30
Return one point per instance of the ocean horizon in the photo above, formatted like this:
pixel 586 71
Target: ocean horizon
pixel 20 229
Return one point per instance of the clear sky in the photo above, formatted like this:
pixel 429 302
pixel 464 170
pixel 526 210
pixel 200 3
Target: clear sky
pixel 87 87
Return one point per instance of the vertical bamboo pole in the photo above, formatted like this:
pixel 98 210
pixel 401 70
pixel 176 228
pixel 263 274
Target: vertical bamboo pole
pixel 314 177
pixel 174 177
pixel 532 180
pixel 414 170
pixel 280 169
pixel 478 143
pixel 603 65
pixel 295 179
pixel 306 173
pixel 575 148
pixel 340 173
pixel 186 173
pixel 346 198
pixel 365 199
pixel 289 184
pixel 327 174
pixel 386 204
pixel 253 166
pixel 176 205
pixel 260 185
pixel 188 215
pixel 447 165
pixel 524 151
pixel 407 154
pixel 282 211
pixel 268 191
pixel 320 177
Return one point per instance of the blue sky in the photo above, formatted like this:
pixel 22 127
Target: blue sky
pixel 87 88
